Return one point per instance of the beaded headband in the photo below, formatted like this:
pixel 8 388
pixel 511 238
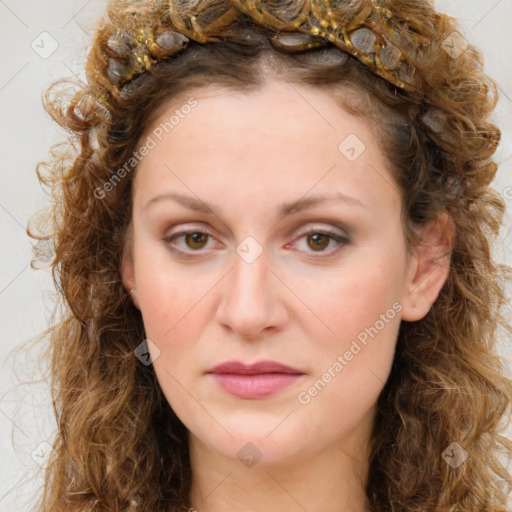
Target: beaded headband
pixel 368 33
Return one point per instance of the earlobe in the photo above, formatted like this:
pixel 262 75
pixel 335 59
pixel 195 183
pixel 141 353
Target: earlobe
pixel 429 267
pixel 128 278
pixel 128 270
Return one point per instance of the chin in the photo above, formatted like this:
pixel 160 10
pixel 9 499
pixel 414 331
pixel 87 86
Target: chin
pixel 254 439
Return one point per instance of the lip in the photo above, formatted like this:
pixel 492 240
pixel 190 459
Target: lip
pixel 253 381
pixel 236 367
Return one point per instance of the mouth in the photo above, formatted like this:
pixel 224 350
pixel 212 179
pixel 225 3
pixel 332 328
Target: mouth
pixel 254 381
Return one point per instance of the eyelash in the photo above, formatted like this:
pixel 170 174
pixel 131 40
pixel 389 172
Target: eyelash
pixel 340 239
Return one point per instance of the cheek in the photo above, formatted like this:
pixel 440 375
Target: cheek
pixel 355 296
pixel 175 321
pixel 352 365
pixel 354 343
pixel 168 293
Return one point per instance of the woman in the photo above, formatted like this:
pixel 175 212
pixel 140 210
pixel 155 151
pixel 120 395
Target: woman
pixel 273 243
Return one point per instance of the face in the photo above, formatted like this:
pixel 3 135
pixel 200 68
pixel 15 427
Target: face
pixel 223 271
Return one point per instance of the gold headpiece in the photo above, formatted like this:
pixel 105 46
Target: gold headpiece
pixel 363 29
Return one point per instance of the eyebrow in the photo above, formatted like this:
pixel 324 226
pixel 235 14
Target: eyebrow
pixel 197 205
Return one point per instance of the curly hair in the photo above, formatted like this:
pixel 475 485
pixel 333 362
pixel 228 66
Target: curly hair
pixel 119 445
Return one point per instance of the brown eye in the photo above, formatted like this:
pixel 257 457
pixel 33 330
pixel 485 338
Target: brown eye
pixel 187 242
pixel 325 243
pixel 196 240
pixel 318 241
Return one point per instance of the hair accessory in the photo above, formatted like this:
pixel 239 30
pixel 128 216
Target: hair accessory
pixel 134 55
pixel 366 30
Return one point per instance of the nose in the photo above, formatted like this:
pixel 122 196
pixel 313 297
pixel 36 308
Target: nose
pixel 252 299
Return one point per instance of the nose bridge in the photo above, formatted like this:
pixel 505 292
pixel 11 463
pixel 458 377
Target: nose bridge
pixel 249 303
pixel 248 284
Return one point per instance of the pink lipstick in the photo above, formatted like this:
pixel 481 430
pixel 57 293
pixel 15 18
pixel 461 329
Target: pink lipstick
pixel 258 380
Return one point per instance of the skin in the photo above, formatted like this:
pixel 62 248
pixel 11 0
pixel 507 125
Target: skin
pixel 245 154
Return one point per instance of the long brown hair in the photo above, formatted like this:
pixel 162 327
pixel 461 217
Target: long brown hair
pixel 119 444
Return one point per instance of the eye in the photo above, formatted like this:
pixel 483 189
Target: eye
pixel 196 240
pixel 319 240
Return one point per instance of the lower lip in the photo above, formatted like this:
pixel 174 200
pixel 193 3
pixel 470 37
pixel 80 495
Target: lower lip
pixel 255 386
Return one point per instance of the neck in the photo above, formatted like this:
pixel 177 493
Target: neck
pixel 330 481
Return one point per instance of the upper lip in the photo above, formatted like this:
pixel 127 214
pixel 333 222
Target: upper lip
pixel 257 368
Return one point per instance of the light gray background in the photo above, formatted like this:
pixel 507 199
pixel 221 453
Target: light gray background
pixel 26 419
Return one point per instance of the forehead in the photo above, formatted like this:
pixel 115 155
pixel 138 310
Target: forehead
pixel 282 137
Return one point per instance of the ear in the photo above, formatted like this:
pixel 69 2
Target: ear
pixel 128 268
pixel 429 267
